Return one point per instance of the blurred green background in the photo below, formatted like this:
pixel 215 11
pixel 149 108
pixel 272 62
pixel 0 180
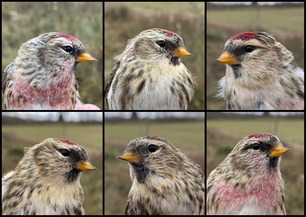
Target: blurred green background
pixel 224 133
pixel 17 136
pixel 125 20
pixel 188 136
pixel 286 23
pixel 22 21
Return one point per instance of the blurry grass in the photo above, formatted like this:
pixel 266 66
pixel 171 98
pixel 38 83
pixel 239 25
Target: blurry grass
pixel 22 21
pixel 123 21
pixel 286 24
pixel 16 137
pixel 186 136
pixel 223 135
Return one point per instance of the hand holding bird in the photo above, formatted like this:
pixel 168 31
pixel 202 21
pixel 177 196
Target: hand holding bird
pixel 43 74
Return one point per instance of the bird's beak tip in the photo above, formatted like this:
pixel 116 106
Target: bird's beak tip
pixel 84 57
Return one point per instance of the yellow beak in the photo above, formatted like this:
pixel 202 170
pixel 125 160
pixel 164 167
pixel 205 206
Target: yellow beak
pixel 180 52
pixel 83 57
pixel 278 150
pixel 226 58
pixel 85 165
pixel 129 156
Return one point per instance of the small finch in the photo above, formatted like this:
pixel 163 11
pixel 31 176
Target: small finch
pixel 164 180
pixel 260 74
pixel 249 181
pixel 43 74
pixel 46 180
pixel 149 74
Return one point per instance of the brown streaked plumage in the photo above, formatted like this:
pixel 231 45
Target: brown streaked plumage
pixel 260 74
pixel 164 180
pixel 149 74
pixel 46 180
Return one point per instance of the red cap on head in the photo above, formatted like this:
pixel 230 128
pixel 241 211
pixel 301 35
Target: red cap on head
pixel 260 136
pixel 67 142
pixel 244 36
pixel 69 37
pixel 168 32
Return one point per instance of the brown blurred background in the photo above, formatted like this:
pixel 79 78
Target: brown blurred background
pixel 25 129
pixel 225 130
pixel 125 20
pixel 22 21
pixel 184 130
pixel 284 21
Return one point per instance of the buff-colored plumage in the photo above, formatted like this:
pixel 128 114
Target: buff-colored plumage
pixel 46 180
pixel 260 74
pixel 164 180
pixel 248 181
pixel 150 75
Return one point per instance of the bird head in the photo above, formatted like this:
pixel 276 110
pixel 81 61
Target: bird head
pixel 55 53
pixel 59 159
pixel 152 155
pixel 257 152
pixel 254 57
pixel 159 45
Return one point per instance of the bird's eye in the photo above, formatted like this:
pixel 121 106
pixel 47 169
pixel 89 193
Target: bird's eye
pixel 64 152
pixel 255 146
pixel 68 49
pixel 152 148
pixel 161 43
pixel 249 48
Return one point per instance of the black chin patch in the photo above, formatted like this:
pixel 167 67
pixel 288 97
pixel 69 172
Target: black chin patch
pixel 72 175
pixel 236 70
pixel 174 61
pixel 140 171
pixel 273 162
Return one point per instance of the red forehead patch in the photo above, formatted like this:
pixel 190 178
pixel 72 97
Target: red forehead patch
pixel 69 37
pixel 245 36
pixel 67 142
pixel 168 32
pixel 260 136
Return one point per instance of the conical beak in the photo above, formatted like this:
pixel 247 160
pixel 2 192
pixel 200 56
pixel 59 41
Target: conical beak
pixel 85 165
pixel 84 57
pixel 180 52
pixel 226 58
pixel 278 150
pixel 129 156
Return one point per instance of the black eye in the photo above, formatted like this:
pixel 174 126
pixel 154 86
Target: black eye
pixel 152 148
pixel 64 152
pixel 255 146
pixel 161 43
pixel 249 48
pixel 68 49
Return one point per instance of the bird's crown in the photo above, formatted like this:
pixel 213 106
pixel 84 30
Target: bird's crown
pixel 245 36
pixel 260 136
pixel 66 142
pixel 168 32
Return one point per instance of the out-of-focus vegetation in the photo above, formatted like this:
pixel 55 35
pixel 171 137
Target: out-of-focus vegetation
pixel 22 21
pixel 285 23
pixel 16 137
pixel 223 135
pixel 125 20
pixel 186 136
